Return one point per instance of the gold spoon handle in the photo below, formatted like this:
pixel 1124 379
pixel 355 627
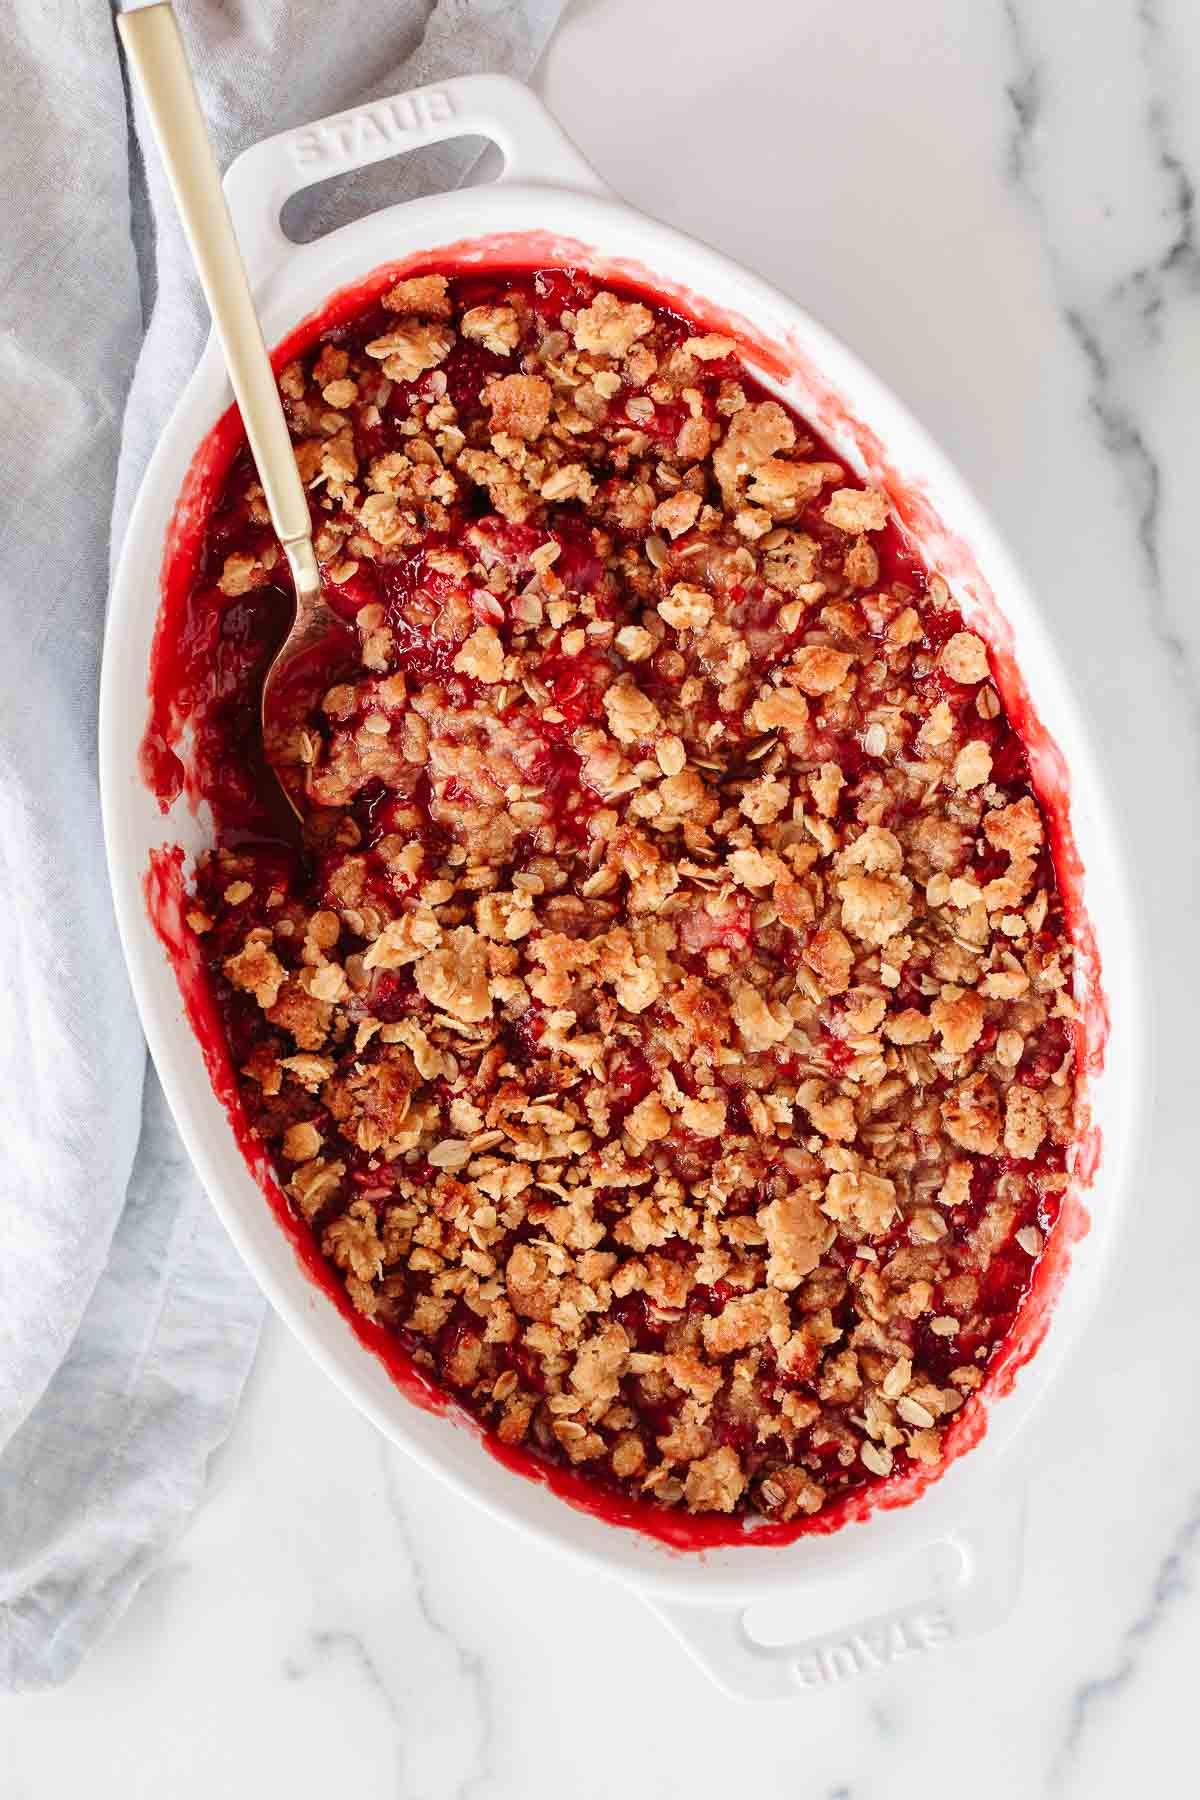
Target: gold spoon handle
pixel 156 52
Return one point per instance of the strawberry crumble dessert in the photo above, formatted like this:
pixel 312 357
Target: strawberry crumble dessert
pixel 663 1022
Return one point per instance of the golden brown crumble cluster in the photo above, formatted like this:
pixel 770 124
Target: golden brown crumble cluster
pixel 665 1028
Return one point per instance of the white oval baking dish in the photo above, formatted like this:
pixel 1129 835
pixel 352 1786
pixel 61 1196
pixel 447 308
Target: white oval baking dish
pixel 548 205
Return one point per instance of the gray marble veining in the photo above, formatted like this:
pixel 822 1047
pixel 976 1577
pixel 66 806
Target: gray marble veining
pixel 1118 312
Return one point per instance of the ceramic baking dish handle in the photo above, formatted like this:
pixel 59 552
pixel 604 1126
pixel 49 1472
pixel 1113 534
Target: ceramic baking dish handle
pixel 534 147
pixel 969 1582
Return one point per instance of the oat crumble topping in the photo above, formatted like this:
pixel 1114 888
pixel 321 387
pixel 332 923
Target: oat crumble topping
pixel 665 1024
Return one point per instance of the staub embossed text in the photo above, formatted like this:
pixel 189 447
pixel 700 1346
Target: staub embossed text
pixel 874 1647
pixel 372 131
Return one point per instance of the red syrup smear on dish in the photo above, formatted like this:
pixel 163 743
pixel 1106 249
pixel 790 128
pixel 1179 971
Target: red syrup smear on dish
pixel 177 659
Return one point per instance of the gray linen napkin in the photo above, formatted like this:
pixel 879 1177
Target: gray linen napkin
pixel 127 1324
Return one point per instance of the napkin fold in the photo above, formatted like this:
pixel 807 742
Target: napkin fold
pixel 127 1323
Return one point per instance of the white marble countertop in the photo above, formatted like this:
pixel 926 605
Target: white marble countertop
pixel 995 205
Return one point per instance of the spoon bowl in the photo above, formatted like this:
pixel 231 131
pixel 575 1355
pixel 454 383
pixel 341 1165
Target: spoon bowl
pixel 313 624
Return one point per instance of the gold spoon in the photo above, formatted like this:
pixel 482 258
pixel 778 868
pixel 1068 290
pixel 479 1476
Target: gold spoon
pixel 155 50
